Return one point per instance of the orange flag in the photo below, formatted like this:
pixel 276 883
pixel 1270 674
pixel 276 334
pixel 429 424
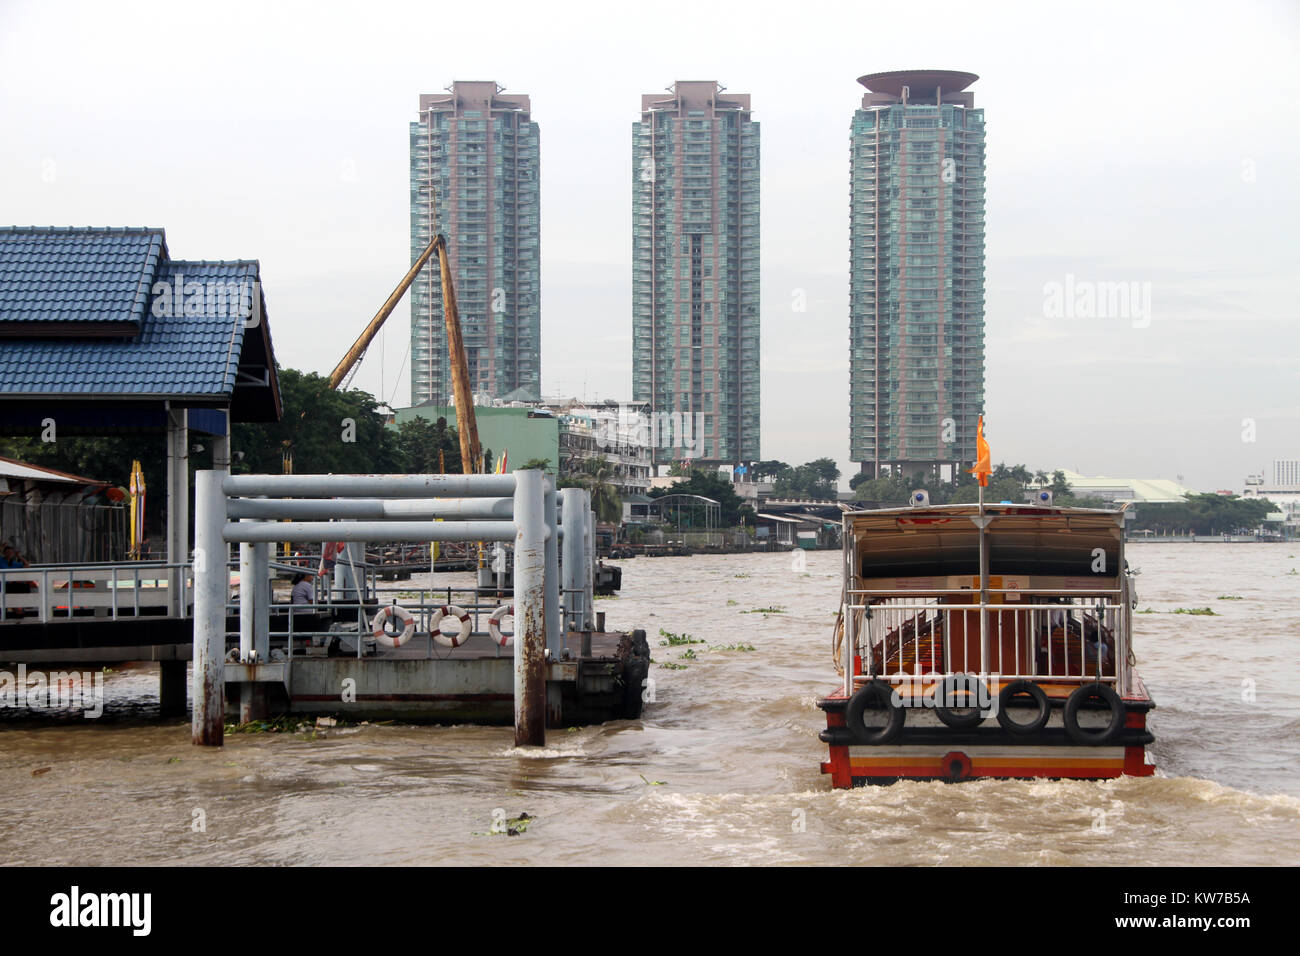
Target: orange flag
pixel 982 468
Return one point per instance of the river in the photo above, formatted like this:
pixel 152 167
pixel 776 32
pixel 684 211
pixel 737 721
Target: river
pixel 723 766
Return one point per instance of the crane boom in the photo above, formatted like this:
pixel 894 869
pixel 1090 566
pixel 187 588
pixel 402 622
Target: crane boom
pixel 363 341
pixel 471 451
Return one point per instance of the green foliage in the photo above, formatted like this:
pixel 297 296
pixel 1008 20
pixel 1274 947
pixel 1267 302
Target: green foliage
pixel 419 441
pixel 314 426
pixel 1007 483
pixel 1203 514
pixel 769 470
pixel 677 640
pixel 538 464
pixel 815 479
pixel 597 476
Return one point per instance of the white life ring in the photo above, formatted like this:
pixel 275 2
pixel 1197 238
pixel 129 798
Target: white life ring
pixel 379 626
pixel 494 625
pixel 450 640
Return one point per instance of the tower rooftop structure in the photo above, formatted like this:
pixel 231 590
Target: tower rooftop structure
pixel 922 87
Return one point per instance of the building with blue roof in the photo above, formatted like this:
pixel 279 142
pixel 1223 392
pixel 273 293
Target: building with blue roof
pixel 102 332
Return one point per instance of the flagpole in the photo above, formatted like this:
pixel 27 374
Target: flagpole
pixel 984 582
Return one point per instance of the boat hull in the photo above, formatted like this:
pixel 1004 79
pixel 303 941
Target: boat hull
pixel 986 752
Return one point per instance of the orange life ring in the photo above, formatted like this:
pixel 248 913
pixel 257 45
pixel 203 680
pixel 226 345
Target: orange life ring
pixel 443 638
pixel 494 625
pixel 379 626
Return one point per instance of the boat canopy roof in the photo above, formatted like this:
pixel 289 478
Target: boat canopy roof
pixel 1023 539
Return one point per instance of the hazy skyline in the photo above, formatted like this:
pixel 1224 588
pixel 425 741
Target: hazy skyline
pixel 1144 144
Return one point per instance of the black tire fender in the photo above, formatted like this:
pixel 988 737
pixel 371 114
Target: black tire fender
pixel 1022 688
pixel 1076 700
pixel 875 694
pixel 956 683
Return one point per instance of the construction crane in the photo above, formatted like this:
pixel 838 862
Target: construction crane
pixel 471 452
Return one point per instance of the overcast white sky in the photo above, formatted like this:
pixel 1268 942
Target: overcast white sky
pixel 1127 142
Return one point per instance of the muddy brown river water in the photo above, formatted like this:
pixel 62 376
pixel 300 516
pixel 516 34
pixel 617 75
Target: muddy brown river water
pixel 723 766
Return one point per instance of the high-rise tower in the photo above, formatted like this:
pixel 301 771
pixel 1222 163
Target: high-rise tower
pixel 695 322
pixel 916 286
pixel 474 167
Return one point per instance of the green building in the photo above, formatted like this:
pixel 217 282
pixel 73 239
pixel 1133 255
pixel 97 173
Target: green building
pixel 522 433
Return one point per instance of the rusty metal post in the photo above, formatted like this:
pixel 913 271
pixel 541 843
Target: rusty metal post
pixel 210 583
pixel 530 609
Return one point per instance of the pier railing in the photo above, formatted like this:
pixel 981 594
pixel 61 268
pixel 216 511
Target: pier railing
pixel 113 590
pixel 422 603
pixel 1046 636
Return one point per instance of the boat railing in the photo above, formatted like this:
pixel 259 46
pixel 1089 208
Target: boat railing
pixel 1048 636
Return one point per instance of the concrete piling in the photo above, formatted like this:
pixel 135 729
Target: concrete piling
pixel 530 609
pixel 210 585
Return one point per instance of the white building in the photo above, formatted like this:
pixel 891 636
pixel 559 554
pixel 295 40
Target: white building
pixel 1148 490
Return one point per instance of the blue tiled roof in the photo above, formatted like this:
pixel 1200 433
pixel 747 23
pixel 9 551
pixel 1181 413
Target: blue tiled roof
pixel 174 355
pixel 76 275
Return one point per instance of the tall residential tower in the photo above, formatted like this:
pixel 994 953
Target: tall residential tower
pixel 695 269
pixel 916 286
pixel 474 167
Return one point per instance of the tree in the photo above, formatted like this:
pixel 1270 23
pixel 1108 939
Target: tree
pixel 1060 487
pixel 329 432
pixel 539 464
pixel 815 479
pixel 1204 514
pixel 770 470
pixel 419 442
pixel 597 476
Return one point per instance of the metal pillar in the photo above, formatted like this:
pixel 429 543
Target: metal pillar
pixel 210 582
pixel 554 637
pixel 178 506
pixel 573 509
pixel 349 573
pixel 221 446
pixel 530 609
pixel 589 565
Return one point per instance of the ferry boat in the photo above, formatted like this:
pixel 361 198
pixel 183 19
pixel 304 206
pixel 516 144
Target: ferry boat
pixel 985 640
